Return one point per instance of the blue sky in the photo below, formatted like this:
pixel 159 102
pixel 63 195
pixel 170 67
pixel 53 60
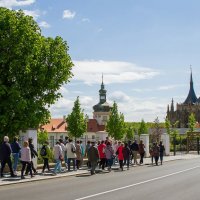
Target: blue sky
pixel 144 48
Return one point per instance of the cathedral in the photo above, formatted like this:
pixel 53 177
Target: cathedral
pixel 183 110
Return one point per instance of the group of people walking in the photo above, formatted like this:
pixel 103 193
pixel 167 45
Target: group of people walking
pixel 103 154
pixel 106 153
pixel 25 153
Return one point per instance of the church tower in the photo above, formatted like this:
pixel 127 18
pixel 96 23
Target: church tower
pixel 102 109
pixel 183 110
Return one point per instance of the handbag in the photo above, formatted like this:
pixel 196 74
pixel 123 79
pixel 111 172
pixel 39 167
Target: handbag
pixel 61 158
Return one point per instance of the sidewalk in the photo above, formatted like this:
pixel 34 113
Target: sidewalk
pixel 16 180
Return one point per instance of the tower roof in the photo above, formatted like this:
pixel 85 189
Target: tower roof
pixel 191 98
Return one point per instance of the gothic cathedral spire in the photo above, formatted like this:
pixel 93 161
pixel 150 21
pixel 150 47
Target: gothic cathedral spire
pixel 191 98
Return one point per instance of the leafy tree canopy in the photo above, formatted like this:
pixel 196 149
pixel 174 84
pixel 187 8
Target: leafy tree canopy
pixel 42 137
pixel 76 121
pixel 143 128
pixel 191 122
pixel 116 126
pixel 32 70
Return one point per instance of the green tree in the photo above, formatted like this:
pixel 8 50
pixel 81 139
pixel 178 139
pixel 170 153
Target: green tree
pixel 32 70
pixel 171 128
pixel 142 128
pixel 116 126
pixel 129 133
pixel 76 121
pixel 42 136
pixel 191 122
pixel 156 131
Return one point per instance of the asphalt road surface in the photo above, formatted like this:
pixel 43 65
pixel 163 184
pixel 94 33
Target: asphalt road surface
pixel 174 180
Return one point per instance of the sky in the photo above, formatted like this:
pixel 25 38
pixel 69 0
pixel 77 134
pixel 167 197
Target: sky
pixel 144 48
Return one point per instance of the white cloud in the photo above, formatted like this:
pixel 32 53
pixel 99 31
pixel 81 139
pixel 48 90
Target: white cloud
pixel 34 13
pixel 67 14
pixel 44 24
pixel 14 3
pixel 119 96
pixel 114 72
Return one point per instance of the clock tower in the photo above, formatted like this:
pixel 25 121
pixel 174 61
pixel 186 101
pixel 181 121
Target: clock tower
pixel 102 109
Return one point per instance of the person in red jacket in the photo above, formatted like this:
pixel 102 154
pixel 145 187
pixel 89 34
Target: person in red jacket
pixel 120 155
pixel 102 155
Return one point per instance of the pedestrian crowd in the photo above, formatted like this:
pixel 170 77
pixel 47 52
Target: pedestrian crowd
pixel 103 154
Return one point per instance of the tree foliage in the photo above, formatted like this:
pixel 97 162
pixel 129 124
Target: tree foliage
pixel 191 122
pixel 76 121
pixel 32 70
pixel 156 131
pixel 42 137
pixel 116 126
pixel 171 128
pixel 143 128
pixel 129 133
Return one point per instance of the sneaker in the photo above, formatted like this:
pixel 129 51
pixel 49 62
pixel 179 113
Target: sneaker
pixel 23 177
pixel 13 175
pixel 54 173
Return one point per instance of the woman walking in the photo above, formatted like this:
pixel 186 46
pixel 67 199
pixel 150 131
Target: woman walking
pixel 141 151
pixel 120 155
pixel 109 155
pixel 26 159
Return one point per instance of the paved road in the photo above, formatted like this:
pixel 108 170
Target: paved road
pixel 174 180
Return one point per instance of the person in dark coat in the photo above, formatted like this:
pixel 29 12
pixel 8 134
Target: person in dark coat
pixel 93 157
pixel 15 153
pixel 156 152
pixel 33 155
pixel 141 151
pixel 5 156
pixel 161 149
pixel 135 149
pixel 126 153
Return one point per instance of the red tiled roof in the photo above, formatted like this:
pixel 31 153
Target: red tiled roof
pixel 55 125
pixel 60 126
pixel 93 126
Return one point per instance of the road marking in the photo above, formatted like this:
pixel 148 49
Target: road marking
pixel 135 184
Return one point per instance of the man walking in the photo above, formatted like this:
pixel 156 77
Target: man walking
pixel 93 157
pixel 5 156
pixel 15 153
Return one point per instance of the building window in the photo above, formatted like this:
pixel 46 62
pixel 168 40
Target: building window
pixel 51 142
pixel 104 118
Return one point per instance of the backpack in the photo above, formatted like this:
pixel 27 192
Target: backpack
pixel 73 149
pixel 43 151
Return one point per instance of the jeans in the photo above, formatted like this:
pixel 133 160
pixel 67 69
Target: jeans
pixel 57 166
pixel 127 162
pixel 15 160
pixel 110 162
pixel 74 163
pixel 93 167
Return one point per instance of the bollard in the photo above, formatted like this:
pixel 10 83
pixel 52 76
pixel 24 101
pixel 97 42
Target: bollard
pixel 198 145
pixel 174 143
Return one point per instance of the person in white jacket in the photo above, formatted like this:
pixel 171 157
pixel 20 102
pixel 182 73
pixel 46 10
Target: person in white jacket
pixel 26 159
pixel 71 155
pixel 58 158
